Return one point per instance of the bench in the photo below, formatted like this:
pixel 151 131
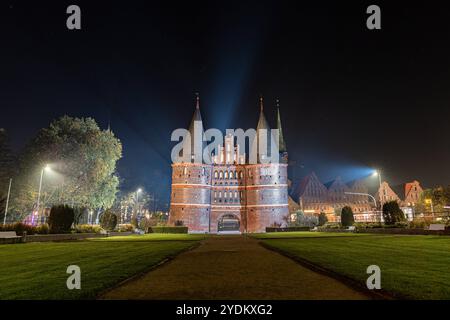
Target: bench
pixel 9 237
pixel 9 234
pixel 437 227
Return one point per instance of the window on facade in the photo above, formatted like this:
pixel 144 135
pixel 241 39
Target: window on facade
pixel 185 171
pixel 235 194
pixel 220 175
pixel 226 174
pixel 241 174
pixel 215 174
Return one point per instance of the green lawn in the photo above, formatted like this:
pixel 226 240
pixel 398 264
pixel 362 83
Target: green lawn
pixel 415 267
pixel 38 270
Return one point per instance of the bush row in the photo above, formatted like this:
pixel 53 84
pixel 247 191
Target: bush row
pixel 287 229
pixel 416 224
pixel 167 229
pixel 87 228
pixel 20 228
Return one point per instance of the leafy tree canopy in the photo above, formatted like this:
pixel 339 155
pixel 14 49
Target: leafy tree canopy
pixel 82 160
pixel 392 213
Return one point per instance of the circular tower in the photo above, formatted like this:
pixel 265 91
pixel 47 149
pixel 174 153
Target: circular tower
pixel 267 196
pixel 191 196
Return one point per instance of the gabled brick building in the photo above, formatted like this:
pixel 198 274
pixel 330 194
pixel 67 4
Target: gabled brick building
pixel 315 197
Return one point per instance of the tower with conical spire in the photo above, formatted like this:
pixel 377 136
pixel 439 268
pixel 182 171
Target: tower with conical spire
pixel 196 131
pixel 281 143
pixel 230 194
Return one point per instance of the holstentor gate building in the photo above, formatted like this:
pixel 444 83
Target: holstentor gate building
pixel 230 195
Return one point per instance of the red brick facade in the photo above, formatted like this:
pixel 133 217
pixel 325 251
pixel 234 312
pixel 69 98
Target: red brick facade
pixel 202 194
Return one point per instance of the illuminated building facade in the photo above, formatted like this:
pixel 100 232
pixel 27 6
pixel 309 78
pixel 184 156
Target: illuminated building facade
pixel 230 195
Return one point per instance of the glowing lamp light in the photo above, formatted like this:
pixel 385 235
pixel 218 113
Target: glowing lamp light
pixel 139 190
pixel 375 173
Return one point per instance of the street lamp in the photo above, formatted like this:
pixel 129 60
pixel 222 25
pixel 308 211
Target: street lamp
pixel 7 201
pixel 377 173
pixel 138 211
pixel 46 169
pixel 365 194
pixel 430 202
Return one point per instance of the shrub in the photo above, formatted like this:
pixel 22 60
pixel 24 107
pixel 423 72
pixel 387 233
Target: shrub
pixel 347 218
pixel 168 230
pixel 179 223
pixel 108 220
pixel 88 228
pixel 146 223
pixel 134 222
pixel 19 228
pixel 302 220
pixel 401 224
pixel 322 218
pixel 61 219
pixel 125 227
pixel 367 225
pixel 287 229
pixel 392 213
pixel 43 229
pixel 330 225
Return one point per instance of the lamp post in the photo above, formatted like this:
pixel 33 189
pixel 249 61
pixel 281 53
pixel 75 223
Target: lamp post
pixel 430 202
pixel 380 192
pixel 46 168
pixel 7 201
pixel 137 202
pixel 364 194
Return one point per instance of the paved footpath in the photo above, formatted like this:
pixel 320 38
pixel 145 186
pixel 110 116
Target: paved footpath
pixel 233 267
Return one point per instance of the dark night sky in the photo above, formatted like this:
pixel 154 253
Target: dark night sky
pixel 351 99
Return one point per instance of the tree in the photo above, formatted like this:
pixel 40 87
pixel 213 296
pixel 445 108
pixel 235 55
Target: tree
pixel 130 204
pixel 302 220
pixel 440 197
pixel 322 218
pixel 83 161
pixel 60 219
pixel 347 218
pixel 392 213
pixel 108 221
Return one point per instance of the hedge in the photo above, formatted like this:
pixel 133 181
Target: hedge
pixel 286 229
pixel 167 230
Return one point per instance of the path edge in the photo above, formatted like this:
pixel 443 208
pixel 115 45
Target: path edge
pixel 350 282
pixel 145 271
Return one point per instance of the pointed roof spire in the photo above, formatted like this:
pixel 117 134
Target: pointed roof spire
pixel 262 122
pixel 281 142
pixel 196 117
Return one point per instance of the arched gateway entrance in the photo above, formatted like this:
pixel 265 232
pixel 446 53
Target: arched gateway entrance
pixel 228 223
